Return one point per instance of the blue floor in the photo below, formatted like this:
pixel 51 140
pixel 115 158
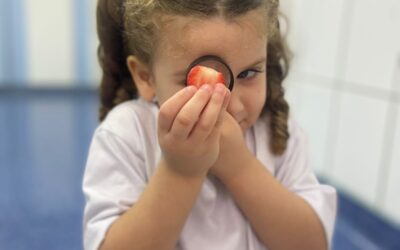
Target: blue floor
pixel 44 139
pixel 359 228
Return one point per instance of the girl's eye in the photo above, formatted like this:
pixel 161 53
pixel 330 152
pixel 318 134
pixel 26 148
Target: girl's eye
pixel 248 73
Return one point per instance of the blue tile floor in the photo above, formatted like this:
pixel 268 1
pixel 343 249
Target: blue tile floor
pixel 44 139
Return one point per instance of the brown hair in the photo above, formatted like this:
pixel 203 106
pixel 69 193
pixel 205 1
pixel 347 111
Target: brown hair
pixel 116 17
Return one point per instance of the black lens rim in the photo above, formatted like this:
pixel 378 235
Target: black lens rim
pixel 211 57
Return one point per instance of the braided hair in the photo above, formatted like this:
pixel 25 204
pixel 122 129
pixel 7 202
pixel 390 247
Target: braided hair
pixel 116 83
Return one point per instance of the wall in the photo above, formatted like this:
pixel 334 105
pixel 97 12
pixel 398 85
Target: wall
pixel 344 89
pixel 48 43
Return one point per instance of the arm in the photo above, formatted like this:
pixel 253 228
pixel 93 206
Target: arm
pixel 189 128
pixel 279 215
pixel 281 219
pixel 156 220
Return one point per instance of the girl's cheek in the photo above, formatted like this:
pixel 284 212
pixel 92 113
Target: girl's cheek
pixel 166 93
pixel 260 93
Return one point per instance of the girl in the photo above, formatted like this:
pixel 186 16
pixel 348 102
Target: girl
pixel 176 167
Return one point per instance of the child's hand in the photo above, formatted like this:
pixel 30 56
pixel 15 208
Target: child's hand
pixel 234 154
pixel 189 128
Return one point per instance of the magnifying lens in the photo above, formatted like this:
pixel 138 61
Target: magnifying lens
pixel 209 70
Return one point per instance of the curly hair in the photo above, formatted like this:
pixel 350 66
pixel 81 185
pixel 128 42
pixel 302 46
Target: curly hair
pixel 116 17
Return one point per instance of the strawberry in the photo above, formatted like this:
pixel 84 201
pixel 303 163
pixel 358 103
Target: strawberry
pixel 200 75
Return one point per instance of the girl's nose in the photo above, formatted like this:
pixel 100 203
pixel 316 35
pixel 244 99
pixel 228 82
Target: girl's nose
pixel 235 107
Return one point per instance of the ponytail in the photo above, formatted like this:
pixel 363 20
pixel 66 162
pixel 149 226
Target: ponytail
pixel 276 105
pixel 116 84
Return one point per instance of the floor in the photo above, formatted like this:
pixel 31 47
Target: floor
pixel 44 138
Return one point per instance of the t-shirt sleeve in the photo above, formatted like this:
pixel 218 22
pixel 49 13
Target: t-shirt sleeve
pixel 114 179
pixel 295 173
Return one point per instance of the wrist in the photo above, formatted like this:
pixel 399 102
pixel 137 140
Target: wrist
pixel 171 170
pixel 241 167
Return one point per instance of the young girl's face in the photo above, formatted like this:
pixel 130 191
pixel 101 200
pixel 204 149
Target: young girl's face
pixel 241 42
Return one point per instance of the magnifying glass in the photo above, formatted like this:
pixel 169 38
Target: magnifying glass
pixel 209 70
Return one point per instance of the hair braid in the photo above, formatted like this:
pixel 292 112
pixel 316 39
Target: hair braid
pixel 277 106
pixel 116 83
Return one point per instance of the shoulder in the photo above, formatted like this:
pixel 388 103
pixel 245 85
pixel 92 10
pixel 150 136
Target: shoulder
pixel 296 142
pixel 263 125
pixel 298 139
pixel 297 135
pixel 130 117
pixel 295 159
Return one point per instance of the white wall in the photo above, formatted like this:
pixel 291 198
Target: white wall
pixel 344 89
pixel 60 43
pixel 50 42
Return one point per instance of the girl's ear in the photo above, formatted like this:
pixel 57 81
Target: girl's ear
pixel 141 75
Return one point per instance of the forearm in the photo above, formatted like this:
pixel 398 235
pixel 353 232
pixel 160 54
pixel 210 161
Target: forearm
pixel 157 218
pixel 281 219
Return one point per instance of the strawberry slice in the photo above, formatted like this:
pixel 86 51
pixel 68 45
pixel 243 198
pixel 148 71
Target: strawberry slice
pixel 200 75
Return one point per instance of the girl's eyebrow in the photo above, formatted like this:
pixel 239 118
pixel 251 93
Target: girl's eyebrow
pixel 259 61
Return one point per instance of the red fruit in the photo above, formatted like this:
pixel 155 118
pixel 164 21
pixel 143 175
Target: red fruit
pixel 200 75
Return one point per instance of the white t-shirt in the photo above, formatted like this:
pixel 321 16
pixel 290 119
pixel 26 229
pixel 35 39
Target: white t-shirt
pixel 125 152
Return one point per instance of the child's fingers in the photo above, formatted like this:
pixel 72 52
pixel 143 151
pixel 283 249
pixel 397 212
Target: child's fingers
pixel 211 114
pixel 223 110
pixel 190 113
pixel 216 132
pixel 170 108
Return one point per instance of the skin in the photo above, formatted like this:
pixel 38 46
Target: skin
pixel 200 130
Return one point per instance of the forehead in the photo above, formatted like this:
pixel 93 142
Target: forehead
pixel 186 38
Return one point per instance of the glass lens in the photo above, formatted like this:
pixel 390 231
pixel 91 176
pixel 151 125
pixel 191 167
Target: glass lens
pixel 217 64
